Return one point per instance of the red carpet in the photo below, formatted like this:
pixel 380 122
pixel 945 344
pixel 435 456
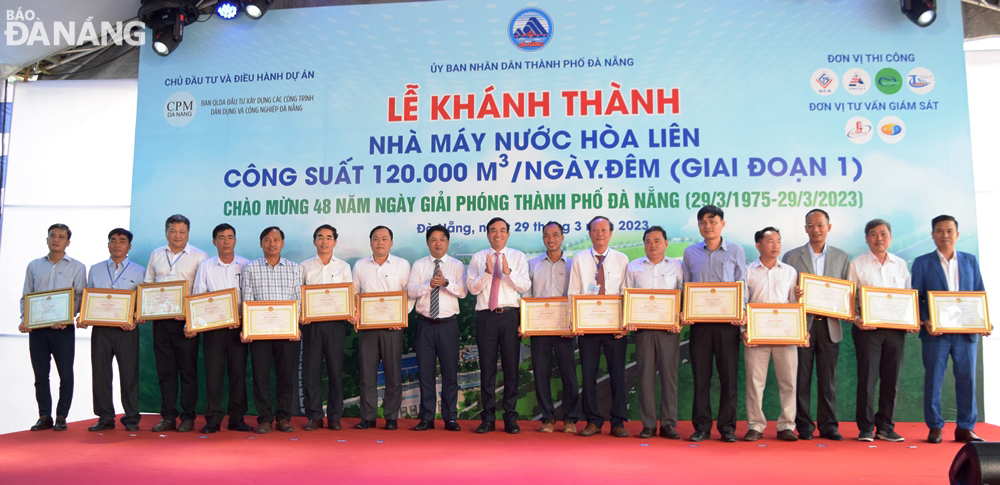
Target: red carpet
pixel 366 456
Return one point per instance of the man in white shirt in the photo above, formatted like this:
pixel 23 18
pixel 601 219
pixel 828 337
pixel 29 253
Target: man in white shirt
pixel 497 276
pixel 381 272
pixel 176 353
pixel 879 350
pixel 222 348
pixel 600 270
pixel 436 283
pixel 550 279
pixel 657 350
pixel 324 339
pixel 770 281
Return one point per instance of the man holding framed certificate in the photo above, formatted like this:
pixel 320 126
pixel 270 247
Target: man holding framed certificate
pixel 176 352
pixel 657 350
pixel 600 270
pixel 121 343
pixel 54 271
pixel 879 351
pixel 222 348
pixel 713 261
pixel 947 270
pixel 324 340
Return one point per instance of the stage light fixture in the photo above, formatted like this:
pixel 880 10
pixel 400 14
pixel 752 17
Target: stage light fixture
pixel 256 9
pixel 167 19
pixel 228 9
pixel 920 12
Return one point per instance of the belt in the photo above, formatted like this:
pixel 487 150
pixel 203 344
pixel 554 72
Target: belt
pixel 439 320
pixel 501 309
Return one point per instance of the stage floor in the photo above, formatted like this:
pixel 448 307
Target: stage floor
pixel 405 456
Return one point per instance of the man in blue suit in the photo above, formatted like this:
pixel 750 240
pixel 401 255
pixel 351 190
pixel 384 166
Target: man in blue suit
pixel 947 270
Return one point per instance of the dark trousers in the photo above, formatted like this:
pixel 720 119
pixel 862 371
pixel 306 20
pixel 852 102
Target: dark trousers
pixel 880 360
pixel 719 342
pixel 658 351
pixel 45 344
pixel 282 354
pixel 176 358
pixel 437 341
pixel 324 340
pixel 107 343
pixel 821 352
pixel 223 351
pixel 496 336
pixel 590 360
pixel 386 346
pixel 541 362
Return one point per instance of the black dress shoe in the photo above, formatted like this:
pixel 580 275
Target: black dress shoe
pixel 102 425
pixel 669 433
pixel 699 436
pixel 452 426
pixel 164 425
pixel 391 424
pixel 486 427
pixel 511 427
pixel 808 436
pixel 43 423
pixel 239 426
pixel 333 424
pixel 961 435
pixel 830 435
pixel 60 423
pixel 131 427
pixel 314 424
pixel 728 437
pixel 646 433
pixel 185 426
pixel 364 424
pixel 210 428
pixel 424 425
pixel 934 436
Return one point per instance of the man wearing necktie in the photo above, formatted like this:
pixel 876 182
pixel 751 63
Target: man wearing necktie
pixel 497 276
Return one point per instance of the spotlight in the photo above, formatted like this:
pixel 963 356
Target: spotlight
pixel 167 18
pixel 920 12
pixel 228 9
pixel 256 9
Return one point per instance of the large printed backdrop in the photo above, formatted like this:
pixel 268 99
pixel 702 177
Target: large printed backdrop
pixel 454 112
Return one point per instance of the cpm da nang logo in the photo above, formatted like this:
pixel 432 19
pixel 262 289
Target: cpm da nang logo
pixel 25 28
pixel 180 108
pixel 530 29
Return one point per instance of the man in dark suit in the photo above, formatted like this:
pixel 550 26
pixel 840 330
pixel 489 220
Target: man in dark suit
pixel 947 270
pixel 825 333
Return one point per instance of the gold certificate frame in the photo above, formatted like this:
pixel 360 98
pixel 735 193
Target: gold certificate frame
pixel 271 320
pixel 594 314
pixel 828 297
pixel 713 302
pixel 382 310
pixel 213 310
pixel 894 308
pixel 545 316
pixel 162 301
pixel 959 312
pixel 652 309
pixel 327 302
pixel 107 307
pixel 47 308
pixel 776 324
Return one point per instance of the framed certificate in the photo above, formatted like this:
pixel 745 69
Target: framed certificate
pixel 545 316
pixel 328 302
pixel 713 302
pixel 48 308
pixel 959 312
pixel 209 311
pixel 107 307
pixel 271 320
pixel 382 310
pixel 161 301
pixel 889 308
pixel 776 324
pixel 652 309
pixel 828 297
pixel 596 313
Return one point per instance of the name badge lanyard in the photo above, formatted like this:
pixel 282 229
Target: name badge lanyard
pixel 114 280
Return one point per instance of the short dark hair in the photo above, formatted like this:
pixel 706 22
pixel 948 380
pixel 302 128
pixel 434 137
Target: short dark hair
pixel 872 224
pixel 267 231
pixel 177 218
pixel 495 219
pixel 943 218
pixel 821 211
pixel 759 235
pixel 554 223
pixel 437 228
pixel 372 233
pixel 222 227
pixel 655 229
pixel 326 226
pixel 610 224
pixel 64 227
pixel 711 211
pixel 118 231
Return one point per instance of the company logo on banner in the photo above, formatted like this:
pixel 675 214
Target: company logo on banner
pixel 888 81
pixel 824 81
pixel 180 108
pixel 857 81
pixel 859 130
pixel 920 80
pixel 891 129
pixel 530 29
pixel 25 28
